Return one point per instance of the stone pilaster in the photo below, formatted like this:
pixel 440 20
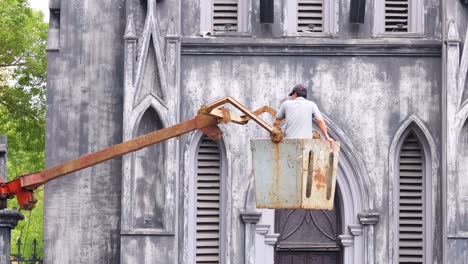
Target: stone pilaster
pixel 449 151
pixel 8 220
pixel 368 220
pixel 250 219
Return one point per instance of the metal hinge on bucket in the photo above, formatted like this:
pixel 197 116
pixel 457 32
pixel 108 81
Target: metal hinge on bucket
pixel 297 173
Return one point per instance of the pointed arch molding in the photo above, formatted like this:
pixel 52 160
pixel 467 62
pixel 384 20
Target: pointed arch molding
pixel 140 109
pixel 129 195
pixel 431 168
pixel 150 35
pixel 353 183
pixel 354 159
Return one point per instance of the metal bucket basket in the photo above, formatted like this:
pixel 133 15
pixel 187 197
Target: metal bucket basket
pixel 297 173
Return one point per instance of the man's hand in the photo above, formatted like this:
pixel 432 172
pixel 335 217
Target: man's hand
pixel 332 142
pixel 277 122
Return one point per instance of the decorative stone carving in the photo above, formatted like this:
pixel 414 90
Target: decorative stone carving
pixel 171 32
pixel 130 29
pixel 452 32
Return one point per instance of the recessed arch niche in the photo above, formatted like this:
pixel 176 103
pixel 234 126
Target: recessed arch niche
pixel 149 176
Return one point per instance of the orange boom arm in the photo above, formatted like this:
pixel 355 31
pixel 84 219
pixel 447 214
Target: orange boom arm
pixel 207 119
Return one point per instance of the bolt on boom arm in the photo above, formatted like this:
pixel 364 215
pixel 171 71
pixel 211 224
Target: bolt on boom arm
pixel 207 119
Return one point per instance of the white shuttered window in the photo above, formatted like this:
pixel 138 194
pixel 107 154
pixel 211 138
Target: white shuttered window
pixel 411 202
pixel 399 18
pixel 208 200
pixel 396 15
pixel 224 16
pixel 310 17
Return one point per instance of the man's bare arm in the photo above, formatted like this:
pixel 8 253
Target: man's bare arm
pixel 323 127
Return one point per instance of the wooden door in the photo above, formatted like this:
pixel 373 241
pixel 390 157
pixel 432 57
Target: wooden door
pixel 308 236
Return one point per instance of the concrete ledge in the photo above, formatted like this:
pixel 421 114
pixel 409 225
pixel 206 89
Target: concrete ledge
pixel 312 47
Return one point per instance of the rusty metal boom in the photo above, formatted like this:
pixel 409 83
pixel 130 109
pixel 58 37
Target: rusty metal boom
pixel 207 119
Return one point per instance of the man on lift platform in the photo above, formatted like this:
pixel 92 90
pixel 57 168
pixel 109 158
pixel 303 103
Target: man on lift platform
pixel 299 113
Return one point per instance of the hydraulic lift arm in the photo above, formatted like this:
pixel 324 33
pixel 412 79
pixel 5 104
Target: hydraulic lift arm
pixel 207 119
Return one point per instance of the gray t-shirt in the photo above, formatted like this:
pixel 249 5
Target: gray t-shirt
pixel 298 114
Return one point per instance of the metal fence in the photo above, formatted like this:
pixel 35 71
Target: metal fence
pixel 20 259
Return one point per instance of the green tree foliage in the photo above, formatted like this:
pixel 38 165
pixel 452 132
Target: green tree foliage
pixel 23 34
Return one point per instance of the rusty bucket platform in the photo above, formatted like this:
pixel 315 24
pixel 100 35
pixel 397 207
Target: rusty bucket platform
pixel 297 173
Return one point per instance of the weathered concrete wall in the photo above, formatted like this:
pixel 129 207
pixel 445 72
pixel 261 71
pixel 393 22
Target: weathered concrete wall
pixel 148 249
pixel 367 97
pixel 84 114
pixel 369 93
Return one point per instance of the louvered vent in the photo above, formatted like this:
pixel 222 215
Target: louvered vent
pixel 411 215
pixel 396 15
pixel 208 201
pixel 225 15
pixel 310 15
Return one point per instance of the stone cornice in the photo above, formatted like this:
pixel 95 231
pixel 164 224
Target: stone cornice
pixel 355 230
pixel 251 217
pixel 312 47
pixel 270 239
pixel 346 240
pixel 262 229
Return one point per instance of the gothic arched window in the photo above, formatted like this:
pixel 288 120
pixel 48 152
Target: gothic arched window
pixel 209 200
pixel 411 202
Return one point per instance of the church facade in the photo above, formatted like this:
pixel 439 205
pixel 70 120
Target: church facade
pixel 392 89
